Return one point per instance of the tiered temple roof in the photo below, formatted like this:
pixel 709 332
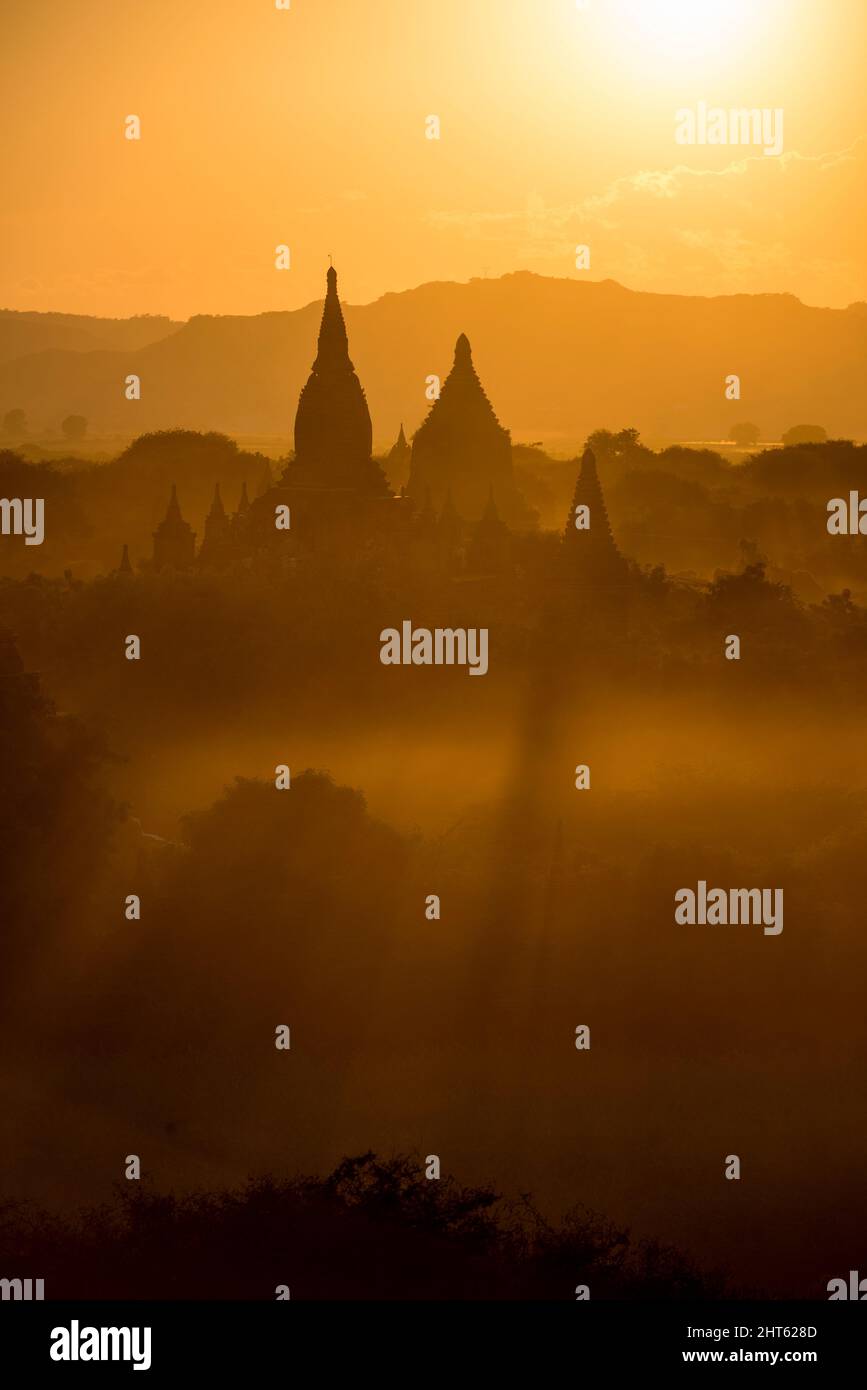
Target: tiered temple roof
pixel 591 551
pixel 462 447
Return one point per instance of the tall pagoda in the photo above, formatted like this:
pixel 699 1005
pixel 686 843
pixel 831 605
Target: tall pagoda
pixel 174 539
pixel 462 447
pixel 214 542
pixel 333 433
pixel 590 549
pixel 397 461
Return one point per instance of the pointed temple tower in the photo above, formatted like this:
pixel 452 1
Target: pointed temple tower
pixel 214 543
pixel 463 447
pixel 124 567
pixel 397 461
pixel 174 539
pixel 333 433
pixel 589 548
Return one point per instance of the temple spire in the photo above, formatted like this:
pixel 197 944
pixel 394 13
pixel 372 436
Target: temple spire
pixel 333 433
pixel 174 539
pixel 589 540
pixel 218 511
pixel 463 352
pixel 397 461
pixel 333 351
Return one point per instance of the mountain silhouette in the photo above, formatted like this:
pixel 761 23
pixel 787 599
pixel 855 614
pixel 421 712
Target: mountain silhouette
pixel 557 358
pixel 26 332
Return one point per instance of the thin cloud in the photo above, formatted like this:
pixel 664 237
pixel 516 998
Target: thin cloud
pixel 797 220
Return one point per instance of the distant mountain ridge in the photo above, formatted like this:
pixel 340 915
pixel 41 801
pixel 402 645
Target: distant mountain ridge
pixel 25 332
pixel 557 358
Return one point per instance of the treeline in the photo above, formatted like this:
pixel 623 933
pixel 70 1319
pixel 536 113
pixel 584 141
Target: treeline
pixel 689 510
pixel 374 1228
pixel 309 640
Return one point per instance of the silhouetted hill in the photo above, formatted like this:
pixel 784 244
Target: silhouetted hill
pixel 556 357
pixel 25 333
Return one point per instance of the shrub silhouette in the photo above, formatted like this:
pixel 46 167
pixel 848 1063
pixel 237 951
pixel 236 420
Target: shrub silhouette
pixel 373 1229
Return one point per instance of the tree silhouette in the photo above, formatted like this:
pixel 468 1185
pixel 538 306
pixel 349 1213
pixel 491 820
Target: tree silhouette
pixel 610 445
pixel 805 434
pixel 14 423
pixel 74 428
pixel 745 433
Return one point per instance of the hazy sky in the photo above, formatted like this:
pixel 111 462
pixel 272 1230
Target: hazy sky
pixel 262 126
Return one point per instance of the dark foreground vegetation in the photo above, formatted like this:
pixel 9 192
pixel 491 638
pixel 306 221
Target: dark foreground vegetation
pixel 373 1229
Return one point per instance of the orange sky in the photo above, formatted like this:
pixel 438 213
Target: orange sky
pixel 307 127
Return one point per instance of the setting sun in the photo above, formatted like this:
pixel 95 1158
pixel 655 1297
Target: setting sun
pixel 680 30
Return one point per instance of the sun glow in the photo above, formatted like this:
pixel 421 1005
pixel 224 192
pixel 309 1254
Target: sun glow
pixel 683 30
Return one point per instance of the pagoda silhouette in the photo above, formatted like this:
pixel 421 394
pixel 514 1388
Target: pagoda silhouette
pixel 174 539
pixel 214 549
pixel 397 461
pixel 462 448
pixel 332 486
pixel 589 549
pixel 457 518
pixel 333 433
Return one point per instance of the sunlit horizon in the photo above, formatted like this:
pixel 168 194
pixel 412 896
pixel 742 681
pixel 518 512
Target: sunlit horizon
pixel 260 128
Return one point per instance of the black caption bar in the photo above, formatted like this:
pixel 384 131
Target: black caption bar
pixel 166 1339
